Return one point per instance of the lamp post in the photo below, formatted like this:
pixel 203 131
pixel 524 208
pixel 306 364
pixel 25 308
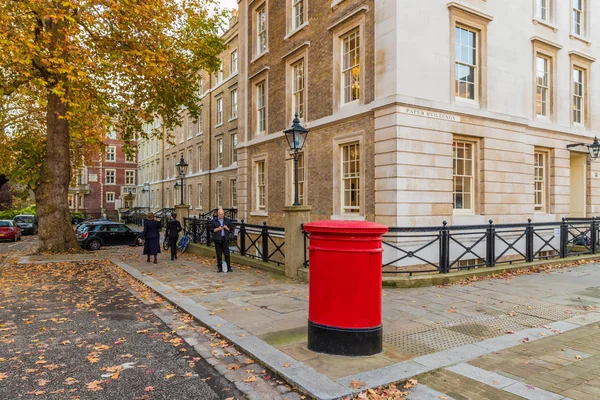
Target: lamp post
pixel 593 149
pixel 146 189
pixel 296 136
pixel 182 167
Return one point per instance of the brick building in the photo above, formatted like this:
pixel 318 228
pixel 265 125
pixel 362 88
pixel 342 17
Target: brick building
pixel 466 123
pixel 102 187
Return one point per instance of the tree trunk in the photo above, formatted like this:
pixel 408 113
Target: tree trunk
pixel 55 230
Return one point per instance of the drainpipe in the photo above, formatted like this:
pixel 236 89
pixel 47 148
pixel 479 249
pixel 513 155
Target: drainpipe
pixel 210 143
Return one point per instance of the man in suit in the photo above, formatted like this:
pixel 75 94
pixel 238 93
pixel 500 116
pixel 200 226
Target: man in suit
pixel 172 234
pixel 221 228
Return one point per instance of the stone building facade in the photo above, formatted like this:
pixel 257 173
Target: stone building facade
pixel 102 187
pixel 418 112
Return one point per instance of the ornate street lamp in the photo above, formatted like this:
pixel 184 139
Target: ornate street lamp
pixel 296 136
pixel 146 189
pixel 593 149
pixel 182 167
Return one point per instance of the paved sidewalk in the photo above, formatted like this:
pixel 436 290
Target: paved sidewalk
pixel 425 329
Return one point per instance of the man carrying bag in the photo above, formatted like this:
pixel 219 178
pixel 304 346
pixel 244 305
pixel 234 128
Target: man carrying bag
pixel 221 227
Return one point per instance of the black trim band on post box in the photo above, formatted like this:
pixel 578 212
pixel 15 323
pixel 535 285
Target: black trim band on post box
pixel 345 341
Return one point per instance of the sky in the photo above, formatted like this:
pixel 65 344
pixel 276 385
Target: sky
pixel 229 4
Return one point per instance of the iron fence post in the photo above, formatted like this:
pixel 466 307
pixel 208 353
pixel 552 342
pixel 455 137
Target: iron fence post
pixel 564 237
pixel 194 230
pixel 444 249
pixel 529 241
pixel 594 235
pixel 490 245
pixel 208 232
pixel 304 248
pixel 243 239
pixel 265 242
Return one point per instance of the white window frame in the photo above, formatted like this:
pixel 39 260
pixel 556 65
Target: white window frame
pixel 298 70
pixel 543 87
pixel 463 63
pixel 298 13
pixel 189 194
pixel 114 176
pixel 200 121
pixel 261 107
pixel 352 68
pixel 233 193
pixel 219 111
pixel 543 10
pixel 199 197
pixel 220 152
pixel 110 197
pixel 219 192
pixel 302 175
pixel 233 113
pixel 540 180
pixel 233 138
pixel 190 160
pixel 111 154
pixel 474 161
pixel 234 62
pixel 349 209
pixel 199 157
pixel 579 96
pixel 132 180
pixel 578 28
pixel 261 185
pixel 71 201
pixel 261 30
pixel 130 158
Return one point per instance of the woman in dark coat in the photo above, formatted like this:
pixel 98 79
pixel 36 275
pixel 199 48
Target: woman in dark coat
pixel 152 237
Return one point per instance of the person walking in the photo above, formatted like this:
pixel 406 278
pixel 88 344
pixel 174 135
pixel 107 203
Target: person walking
pixel 172 234
pixel 151 235
pixel 221 227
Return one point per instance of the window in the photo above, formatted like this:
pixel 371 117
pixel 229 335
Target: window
pixel 578 96
pixel 110 197
pixel 200 121
pixel 234 104
pixel 190 162
pixel 463 171
pixel 220 73
pixel 189 194
pixel 260 185
pixel 261 108
pixel 110 177
pixel 199 194
pixel 130 157
pixel 298 89
pixel 219 194
pixel 219 111
pixel 466 63
pixel 300 179
pixel 168 165
pixel 542 10
pixel 111 134
pixel 168 198
pixel 261 30
pixel 234 62
pixel 200 85
pixel 129 177
pixel 220 152
pixel 80 201
pixel 542 81
pixel 578 17
pixel 70 200
pixel 234 147
pixel 111 153
pixel 350 176
pixel 233 193
pixel 540 180
pixel 351 67
pixel 199 159
pixel 297 13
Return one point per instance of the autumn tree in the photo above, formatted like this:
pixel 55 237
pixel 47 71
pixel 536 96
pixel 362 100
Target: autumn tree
pixel 70 69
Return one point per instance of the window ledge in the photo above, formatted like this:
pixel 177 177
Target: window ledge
pixel 547 24
pixel 232 119
pixel 259 214
pixel 303 26
pixel 580 38
pixel 347 217
pixel 258 56
pixel 218 125
pixel 336 3
pixel 467 103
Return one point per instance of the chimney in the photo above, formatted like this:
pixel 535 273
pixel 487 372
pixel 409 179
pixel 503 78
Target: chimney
pixel 234 17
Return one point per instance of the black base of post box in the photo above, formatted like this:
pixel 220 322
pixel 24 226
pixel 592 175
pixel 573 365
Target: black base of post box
pixel 345 341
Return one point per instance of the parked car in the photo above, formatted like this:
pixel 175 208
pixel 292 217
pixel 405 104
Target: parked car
pixel 94 235
pixel 9 230
pixel 27 223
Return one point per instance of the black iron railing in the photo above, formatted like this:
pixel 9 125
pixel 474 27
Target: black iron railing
pixel 442 249
pixel 263 242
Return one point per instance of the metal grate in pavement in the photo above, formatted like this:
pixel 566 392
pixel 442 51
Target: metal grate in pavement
pixel 498 327
pixel 427 342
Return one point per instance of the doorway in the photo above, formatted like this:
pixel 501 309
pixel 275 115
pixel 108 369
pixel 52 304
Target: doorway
pixel 578 185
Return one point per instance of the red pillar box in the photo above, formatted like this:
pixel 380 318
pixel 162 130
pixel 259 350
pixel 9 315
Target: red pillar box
pixel 344 307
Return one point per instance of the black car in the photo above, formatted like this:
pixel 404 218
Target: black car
pixel 27 223
pixel 93 235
